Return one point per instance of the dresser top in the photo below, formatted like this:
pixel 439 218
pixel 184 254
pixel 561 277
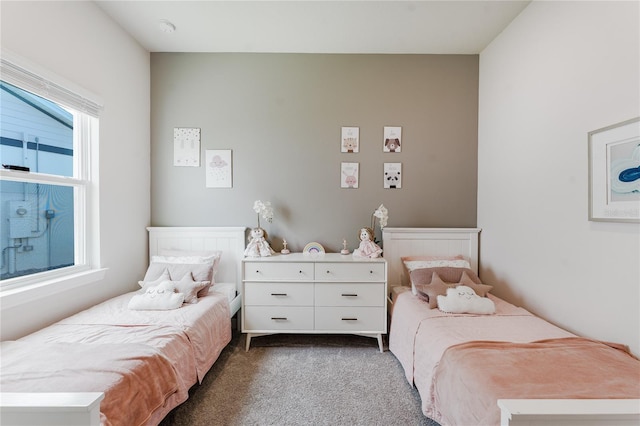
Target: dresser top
pixel 315 258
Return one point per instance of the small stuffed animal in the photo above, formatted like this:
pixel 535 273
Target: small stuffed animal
pixel 258 245
pixel 463 300
pixel 367 247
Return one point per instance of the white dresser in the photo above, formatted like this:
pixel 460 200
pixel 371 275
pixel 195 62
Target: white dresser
pixel 330 293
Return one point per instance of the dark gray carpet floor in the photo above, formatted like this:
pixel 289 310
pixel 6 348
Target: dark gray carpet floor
pixel 294 379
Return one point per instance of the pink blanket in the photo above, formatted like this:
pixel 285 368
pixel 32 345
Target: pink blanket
pixel 206 324
pixel 190 340
pixel 136 379
pixel 472 376
pixel 419 336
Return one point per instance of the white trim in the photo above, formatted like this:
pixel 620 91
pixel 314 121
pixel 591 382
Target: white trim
pixel 28 76
pixel 398 242
pixel 53 409
pixel 569 412
pixel 19 176
pixel 230 240
pixel 10 298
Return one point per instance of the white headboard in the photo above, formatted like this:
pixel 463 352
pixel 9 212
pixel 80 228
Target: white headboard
pixel 230 240
pixel 399 242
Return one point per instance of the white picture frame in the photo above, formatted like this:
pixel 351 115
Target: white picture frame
pixel 350 140
pixel 614 172
pixel 350 175
pixel 219 168
pixel 186 147
pixel 392 176
pixel 392 139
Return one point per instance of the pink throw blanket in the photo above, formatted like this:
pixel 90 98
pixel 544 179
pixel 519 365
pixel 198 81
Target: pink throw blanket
pixel 472 376
pixel 110 341
pixel 135 378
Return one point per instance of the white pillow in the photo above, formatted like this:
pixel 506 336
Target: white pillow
pixel 164 276
pixel 158 298
pixel 463 300
pixel 182 259
pixel 211 257
pixel 188 257
pixel 412 265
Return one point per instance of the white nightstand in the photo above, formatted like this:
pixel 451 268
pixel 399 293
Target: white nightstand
pixel 330 293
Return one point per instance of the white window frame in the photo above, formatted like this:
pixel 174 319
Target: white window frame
pixel 86 109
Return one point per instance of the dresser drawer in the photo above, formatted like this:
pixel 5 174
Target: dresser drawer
pixel 278 294
pixel 352 319
pixel 349 294
pixel 350 271
pixel 259 271
pixel 277 318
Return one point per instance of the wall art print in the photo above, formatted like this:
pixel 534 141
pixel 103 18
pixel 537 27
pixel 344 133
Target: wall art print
pixel 186 147
pixel 614 172
pixel 392 175
pixel 349 177
pixel 392 140
pixel 350 139
pixel 219 168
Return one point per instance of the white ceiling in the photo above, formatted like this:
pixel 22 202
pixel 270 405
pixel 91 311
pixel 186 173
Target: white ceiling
pixel 326 26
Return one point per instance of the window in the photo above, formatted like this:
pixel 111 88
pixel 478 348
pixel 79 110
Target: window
pixel 47 136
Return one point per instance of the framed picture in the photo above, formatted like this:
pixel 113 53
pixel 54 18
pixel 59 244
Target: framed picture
pixel 392 140
pixel 392 175
pixel 614 172
pixel 349 175
pixel 219 168
pixel 350 140
pixel 186 147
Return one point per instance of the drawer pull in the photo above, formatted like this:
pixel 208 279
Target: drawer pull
pixel 349 295
pixel 349 319
pixel 279 318
pixel 278 294
pixel 371 272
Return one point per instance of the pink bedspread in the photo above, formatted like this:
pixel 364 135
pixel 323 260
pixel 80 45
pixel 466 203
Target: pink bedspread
pixel 206 324
pixel 136 379
pixel 419 337
pixel 472 376
pixel 189 339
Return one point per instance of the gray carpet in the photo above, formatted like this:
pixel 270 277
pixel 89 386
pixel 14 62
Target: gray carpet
pixel 302 380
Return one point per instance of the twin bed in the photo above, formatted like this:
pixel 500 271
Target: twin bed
pixel 480 369
pixel 499 368
pixel 137 364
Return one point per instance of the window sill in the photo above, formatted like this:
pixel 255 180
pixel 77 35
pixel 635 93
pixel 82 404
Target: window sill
pixel 17 296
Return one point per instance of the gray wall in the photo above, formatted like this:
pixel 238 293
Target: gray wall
pixel 281 115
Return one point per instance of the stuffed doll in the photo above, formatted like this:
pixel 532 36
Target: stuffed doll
pixel 258 245
pixel 367 247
